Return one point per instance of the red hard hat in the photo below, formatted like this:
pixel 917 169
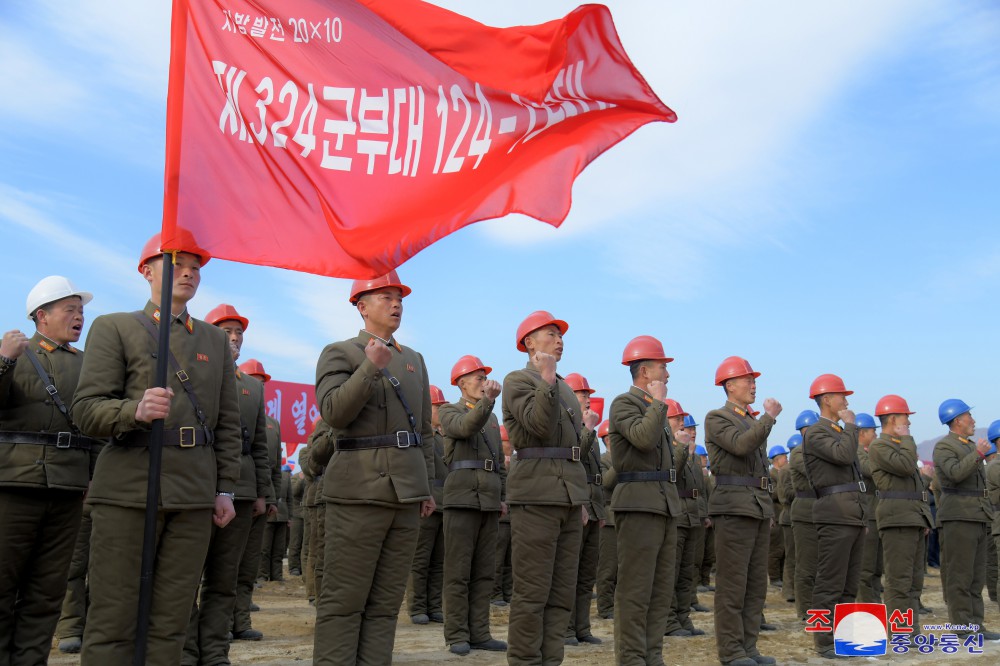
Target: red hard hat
pixel 602 430
pixel 390 279
pixel 674 408
pixel 465 365
pixel 254 367
pixel 733 367
pixel 503 434
pixel 578 382
pixel 535 321
pixel 644 348
pixel 892 404
pixel 828 384
pixel 437 396
pixel 152 248
pixel 224 312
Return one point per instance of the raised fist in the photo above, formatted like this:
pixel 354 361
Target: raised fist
pixel 846 415
pixel 546 366
pixel 491 389
pixel 378 353
pixel 13 345
pixel 657 389
pixel 772 407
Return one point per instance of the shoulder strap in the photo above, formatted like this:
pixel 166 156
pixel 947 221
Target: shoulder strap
pixel 569 411
pixel 402 399
pixel 182 376
pixel 50 388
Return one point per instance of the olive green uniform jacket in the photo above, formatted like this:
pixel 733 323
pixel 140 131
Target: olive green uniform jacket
pixel 591 459
pixel 539 415
pixel 786 492
pixel 255 459
pixel 118 367
pixel 801 509
pixel 893 462
pixel 737 446
pixel 472 432
pixel 868 497
pixel 25 406
pixel 609 479
pixel 688 477
pixel 357 400
pixel 830 454
pixel 274 450
pixel 993 489
pixel 959 465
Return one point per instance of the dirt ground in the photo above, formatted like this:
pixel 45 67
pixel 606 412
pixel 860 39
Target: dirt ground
pixel 286 619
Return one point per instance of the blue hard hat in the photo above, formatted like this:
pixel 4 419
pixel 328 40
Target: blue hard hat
pixel 689 421
pixel 286 468
pixel 700 450
pixel 806 418
pixel 993 432
pixel 777 450
pixel 952 408
pixel 794 441
pixel 863 420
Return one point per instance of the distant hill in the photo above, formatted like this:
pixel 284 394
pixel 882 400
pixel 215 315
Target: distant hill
pixel 926 448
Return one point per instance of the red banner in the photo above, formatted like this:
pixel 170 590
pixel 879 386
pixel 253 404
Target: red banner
pixel 342 137
pixel 294 406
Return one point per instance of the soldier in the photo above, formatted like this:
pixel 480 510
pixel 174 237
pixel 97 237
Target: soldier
pixel 607 561
pixel 579 630
pixel 309 488
pixel 646 504
pixel 993 484
pixel 830 456
pixel 375 395
pixel 903 514
pixel 700 534
pixel 427 572
pixel 803 527
pixel 276 532
pixel 45 467
pixel 870 587
pixel 473 503
pixel 201 460
pixel 689 481
pixel 964 516
pixel 546 491
pixel 296 525
pixel 73 618
pixel 703 573
pixel 778 455
pixel 211 618
pixel 314 466
pixel 503 577
pixel 741 511
pixel 786 494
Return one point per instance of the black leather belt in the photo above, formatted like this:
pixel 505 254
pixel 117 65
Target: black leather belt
pixel 186 438
pixel 571 453
pixel 805 494
pixel 688 494
pixel 595 479
pixel 401 439
pixel 486 465
pixel 964 492
pixel 761 482
pixel 60 440
pixel 628 477
pixel 901 494
pixel 852 487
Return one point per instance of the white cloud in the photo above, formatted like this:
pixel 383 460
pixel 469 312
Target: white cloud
pixel 34 89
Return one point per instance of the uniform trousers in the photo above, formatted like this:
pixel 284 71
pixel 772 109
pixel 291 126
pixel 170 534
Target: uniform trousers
pixel 647 547
pixel 357 610
pixel 470 547
pixel 545 554
pixel 776 553
pixel 903 548
pixel 272 552
pixel 607 572
pixel 115 564
pixel 74 606
pixel 317 548
pixel 295 535
pixel 788 572
pixel 427 572
pixel 679 616
pixel 211 615
pixel 963 556
pixel 741 545
pixel 872 565
pixel 708 559
pixel 806 552
pixel 586 576
pixel 991 568
pixel 247 576
pixel 838 570
pixel 309 513
pixel 503 577
pixel 38 529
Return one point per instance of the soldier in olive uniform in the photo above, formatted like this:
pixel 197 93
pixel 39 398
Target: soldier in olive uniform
pixel 503 576
pixel 375 395
pixel 741 511
pixel 803 527
pixel 903 513
pixel 786 495
pixel 964 515
pixel 473 503
pixel 830 456
pixel 607 562
pixel 699 534
pixel 314 466
pixel 427 572
pixel 276 532
pixel 993 484
pixel 778 455
pixel 546 491
pixel 870 587
pixel 296 526
pixel 73 618
pixel 45 467
pixel 689 524
pixel 645 503
pixel 201 461
pixel 211 617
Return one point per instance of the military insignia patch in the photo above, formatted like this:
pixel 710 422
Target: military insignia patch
pixel 410 368
pixel 203 357
pixel 46 345
pixel 246 392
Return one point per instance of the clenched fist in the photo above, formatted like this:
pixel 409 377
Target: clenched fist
pixel 657 389
pixel 590 419
pixel 546 366
pixel 13 345
pixel 491 389
pixel 378 353
pixel 846 415
pixel 155 404
pixel 772 407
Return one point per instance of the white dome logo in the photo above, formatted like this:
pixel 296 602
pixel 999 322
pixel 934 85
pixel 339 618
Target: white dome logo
pixel 860 629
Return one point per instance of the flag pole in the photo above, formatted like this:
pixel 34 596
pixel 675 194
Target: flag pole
pixel 155 464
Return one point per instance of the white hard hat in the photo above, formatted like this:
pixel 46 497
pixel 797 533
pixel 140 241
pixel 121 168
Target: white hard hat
pixel 51 289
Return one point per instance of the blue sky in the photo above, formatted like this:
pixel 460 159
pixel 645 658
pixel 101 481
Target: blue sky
pixel 827 202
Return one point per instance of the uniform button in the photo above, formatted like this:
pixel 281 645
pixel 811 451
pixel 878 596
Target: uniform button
pixel 381 473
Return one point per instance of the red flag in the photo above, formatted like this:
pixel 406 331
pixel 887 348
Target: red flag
pixel 342 137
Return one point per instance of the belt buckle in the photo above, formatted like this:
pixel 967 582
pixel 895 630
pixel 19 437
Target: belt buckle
pixel 64 440
pixel 598 480
pixel 694 493
pixel 488 465
pixel 402 439
pixel 183 377
pixel 189 441
pixel 673 476
pixel 985 494
pixel 923 495
pixel 861 485
pixel 765 483
pixel 576 453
